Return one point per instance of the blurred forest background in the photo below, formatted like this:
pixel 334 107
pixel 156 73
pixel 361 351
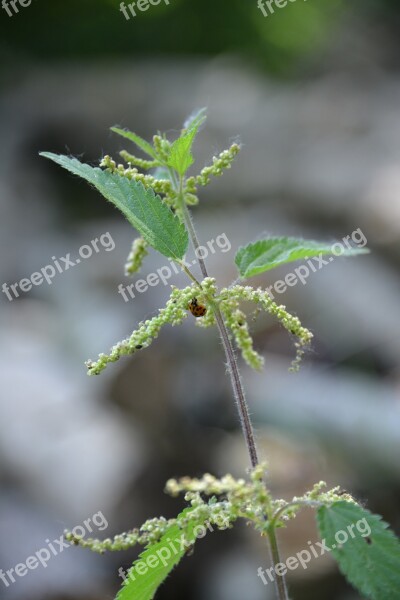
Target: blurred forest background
pixel 313 92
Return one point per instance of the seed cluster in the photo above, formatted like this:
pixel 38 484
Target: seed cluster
pixel 174 313
pixel 262 298
pixel 207 296
pixel 136 256
pixel 218 502
pixel 221 163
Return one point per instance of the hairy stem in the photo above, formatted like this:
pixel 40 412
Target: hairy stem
pixel 188 272
pixel 238 391
pixel 280 583
pixel 237 387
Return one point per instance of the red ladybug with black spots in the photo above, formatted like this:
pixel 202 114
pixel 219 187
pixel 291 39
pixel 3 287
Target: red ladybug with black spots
pixel 197 310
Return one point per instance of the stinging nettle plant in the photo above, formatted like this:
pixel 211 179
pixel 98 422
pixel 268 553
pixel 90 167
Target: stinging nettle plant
pixel 158 206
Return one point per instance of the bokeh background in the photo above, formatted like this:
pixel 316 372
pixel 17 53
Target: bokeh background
pixel 313 92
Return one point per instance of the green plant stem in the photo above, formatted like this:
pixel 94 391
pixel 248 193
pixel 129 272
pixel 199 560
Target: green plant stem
pixel 237 387
pixel 188 272
pixel 280 583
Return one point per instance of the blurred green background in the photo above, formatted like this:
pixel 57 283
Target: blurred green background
pixel 313 93
pixel 279 43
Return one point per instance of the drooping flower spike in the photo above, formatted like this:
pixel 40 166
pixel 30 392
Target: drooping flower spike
pixel 228 300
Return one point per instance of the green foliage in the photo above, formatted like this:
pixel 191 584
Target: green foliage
pixel 181 157
pixel 273 252
pixel 371 559
pixel 278 43
pixel 157 561
pixel 136 139
pixel 144 210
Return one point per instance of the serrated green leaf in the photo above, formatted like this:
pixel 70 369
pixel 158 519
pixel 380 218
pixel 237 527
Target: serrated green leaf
pixel 136 139
pixel 371 559
pixel 149 571
pixel 180 157
pixel 270 253
pixel 144 210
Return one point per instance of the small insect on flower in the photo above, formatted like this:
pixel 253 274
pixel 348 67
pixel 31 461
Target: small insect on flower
pixel 197 310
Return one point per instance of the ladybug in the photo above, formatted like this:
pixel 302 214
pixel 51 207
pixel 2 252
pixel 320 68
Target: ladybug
pixel 197 310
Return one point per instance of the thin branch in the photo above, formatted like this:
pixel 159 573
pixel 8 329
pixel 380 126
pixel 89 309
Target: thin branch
pixel 280 583
pixel 237 387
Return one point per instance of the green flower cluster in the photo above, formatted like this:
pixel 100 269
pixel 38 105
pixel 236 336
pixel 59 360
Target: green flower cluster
pixel 314 498
pixel 221 163
pixel 163 185
pixel 149 533
pixel 160 186
pixel 252 500
pixel 218 502
pixel 228 300
pixel 162 146
pixel 135 259
pixel 236 321
pixel 174 313
pixel 134 161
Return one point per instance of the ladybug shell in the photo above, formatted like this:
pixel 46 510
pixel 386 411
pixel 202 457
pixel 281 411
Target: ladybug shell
pixel 197 310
